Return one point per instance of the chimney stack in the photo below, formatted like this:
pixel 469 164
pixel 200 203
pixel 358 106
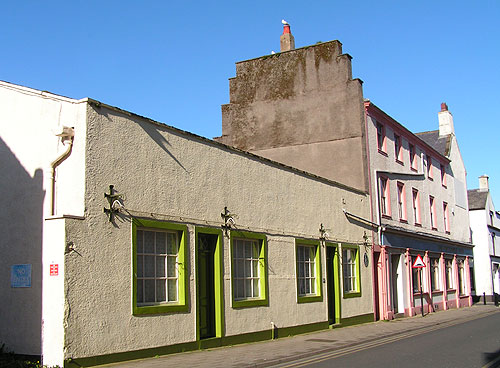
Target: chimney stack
pixel 287 42
pixel 483 183
pixel 445 121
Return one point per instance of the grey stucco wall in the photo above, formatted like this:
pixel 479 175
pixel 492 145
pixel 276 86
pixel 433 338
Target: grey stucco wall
pixel 168 173
pixel 300 108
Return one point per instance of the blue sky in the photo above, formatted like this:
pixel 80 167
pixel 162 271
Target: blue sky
pixel 171 60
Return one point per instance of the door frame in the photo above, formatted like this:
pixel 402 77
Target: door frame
pixel 336 282
pixel 218 283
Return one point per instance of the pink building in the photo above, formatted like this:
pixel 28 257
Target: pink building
pixel 419 207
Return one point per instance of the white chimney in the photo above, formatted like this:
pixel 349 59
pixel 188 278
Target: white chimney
pixel 483 183
pixel 445 121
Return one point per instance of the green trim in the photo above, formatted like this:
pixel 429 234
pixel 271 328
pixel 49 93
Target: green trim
pixel 195 345
pixel 129 355
pixel 318 297
pixel 218 280
pixel 357 293
pixel 181 305
pixel 264 282
pixel 336 280
pixel 302 329
pixel 356 320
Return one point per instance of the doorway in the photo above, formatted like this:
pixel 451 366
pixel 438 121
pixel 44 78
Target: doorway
pixel 333 284
pixel 395 280
pixel 209 284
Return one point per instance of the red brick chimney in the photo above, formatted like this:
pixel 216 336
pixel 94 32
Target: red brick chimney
pixel 287 42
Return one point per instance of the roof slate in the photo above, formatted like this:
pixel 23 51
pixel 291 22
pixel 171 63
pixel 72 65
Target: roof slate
pixel 477 199
pixel 441 144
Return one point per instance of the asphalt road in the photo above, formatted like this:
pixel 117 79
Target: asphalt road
pixel 473 343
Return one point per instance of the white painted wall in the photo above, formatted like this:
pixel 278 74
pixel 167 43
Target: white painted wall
pixel 29 120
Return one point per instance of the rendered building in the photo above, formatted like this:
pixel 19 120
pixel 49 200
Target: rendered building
pixel 485 229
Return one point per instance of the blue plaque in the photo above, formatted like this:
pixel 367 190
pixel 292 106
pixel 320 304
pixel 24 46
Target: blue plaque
pixel 20 276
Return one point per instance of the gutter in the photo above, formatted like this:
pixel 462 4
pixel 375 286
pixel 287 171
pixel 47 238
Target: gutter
pixel 68 134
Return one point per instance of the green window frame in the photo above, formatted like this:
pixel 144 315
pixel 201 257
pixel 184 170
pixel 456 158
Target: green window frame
pixel 249 269
pixel 308 271
pixel 351 272
pixel 172 255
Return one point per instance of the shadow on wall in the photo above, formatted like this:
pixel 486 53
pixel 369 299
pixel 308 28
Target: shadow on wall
pixel 21 217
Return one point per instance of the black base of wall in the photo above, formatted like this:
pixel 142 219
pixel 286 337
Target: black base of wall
pixel 213 342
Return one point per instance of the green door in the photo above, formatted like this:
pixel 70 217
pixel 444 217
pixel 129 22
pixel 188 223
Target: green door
pixel 332 276
pixel 206 284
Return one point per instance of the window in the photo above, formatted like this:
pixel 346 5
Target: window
pixel 446 218
pixel 416 279
pixel 249 269
pixel 435 275
pixel 443 176
pixel 384 196
pixel 413 158
pixel 461 278
pixel 429 166
pixel 472 281
pixel 159 282
pixel 397 148
pixel 401 202
pixel 350 268
pixel 416 206
pixel 308 271
pixel 432 212
pixel 493 244
pixel 381 144
pixel 449 274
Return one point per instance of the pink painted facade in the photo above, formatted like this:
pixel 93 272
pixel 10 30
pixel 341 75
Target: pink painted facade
pixel 415 186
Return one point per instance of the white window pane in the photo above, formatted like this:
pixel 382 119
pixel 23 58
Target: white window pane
pixel 172 290
pixel 149 266
pixel 140 241
pixel 160 266
pixel 140 266
pixel 255 270
pixel 149 291
pixel 240 288
pixel 248 287
pixel 161 246
pixel 171 266
pixel 240 268
pixel 140 292
pixel 149 242
pixel 256 288
pixel 160 291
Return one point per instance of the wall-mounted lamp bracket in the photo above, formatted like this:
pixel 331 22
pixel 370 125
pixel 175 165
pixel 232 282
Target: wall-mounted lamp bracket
pixel 228 218
pixel 112 198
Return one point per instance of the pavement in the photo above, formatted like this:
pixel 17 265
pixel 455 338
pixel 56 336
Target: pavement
pixel 339 340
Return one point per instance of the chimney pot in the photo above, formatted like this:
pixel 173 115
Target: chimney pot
pixel 444 106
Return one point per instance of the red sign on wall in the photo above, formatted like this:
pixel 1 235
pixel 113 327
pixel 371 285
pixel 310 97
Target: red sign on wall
pixel 54 269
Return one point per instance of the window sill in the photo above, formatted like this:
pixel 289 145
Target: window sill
pixel 417 224
pixel 413 169
pixel 404 221
pixel 309 298
pixel 434 228
pixel 247 303
pixel 437 292
pixel 382 152
pixel 447 232
pixel 387 216
pixel 400 162
pixel 160 309
pixel 430 178
pixel 444 186
pixel 352 294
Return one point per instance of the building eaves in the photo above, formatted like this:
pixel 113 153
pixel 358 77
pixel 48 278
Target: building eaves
pixel 416 137
pixel 422 235
pixel 477 199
